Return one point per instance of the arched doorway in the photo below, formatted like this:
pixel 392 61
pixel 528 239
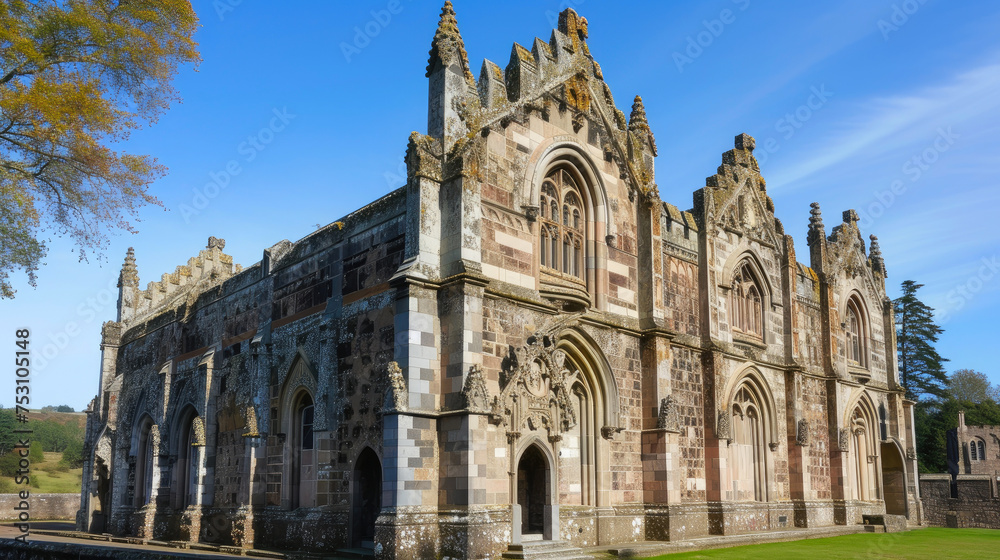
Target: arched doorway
pixel 367 498
pixel 893 479
pixel 863 453
pixel 532 492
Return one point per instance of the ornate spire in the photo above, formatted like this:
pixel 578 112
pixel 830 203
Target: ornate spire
pixel 447 45
pixel 638 125
pixel 816 228
pixel 130 273
pixel 815 217
pixel 876 251
pixel 875 254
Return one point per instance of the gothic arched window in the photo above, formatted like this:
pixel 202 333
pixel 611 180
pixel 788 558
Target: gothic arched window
pixel 562 218
pixel 746 303
pixel 857 347
pixel 301 449
pixel 145 456
pixel 187 469
pixel 747 450
pixel 977 450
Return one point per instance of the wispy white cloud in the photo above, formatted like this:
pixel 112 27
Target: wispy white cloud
pixel 887 124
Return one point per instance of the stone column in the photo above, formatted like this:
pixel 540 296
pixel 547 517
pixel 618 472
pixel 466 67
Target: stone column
pixel 407 528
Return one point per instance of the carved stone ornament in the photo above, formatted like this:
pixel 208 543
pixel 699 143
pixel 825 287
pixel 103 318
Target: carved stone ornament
pixel 154 440
pixel 198 425
pixel 773 446
pixel 802 432
pixel 251 423
pixel 536 389
pixel 844 440
pixel 609 432
pixel 477 398
pixel 911 454
pixel 530 213
pixel 669 418
pixel 724 426
pixel 396 396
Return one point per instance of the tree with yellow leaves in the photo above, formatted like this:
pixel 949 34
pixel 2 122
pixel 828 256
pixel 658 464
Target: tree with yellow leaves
pixel 75 77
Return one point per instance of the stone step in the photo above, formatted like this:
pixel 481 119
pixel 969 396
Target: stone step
pixel 361 553
pixel 887 523
pixel 545 550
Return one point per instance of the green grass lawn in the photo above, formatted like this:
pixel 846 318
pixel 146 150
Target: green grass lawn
pixel 50 481
pixel 932 543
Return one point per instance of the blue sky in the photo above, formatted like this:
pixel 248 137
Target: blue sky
pixel 302 111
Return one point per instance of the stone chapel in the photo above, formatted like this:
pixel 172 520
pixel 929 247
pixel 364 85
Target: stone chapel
pixel 524 343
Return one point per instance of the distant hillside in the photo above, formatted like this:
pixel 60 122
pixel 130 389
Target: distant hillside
pixel 53 431
pixel 75 418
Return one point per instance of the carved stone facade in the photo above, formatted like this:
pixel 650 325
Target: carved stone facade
pixel 524 340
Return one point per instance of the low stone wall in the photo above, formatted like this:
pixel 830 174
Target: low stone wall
pixel 32 550
pixel 975 502
pixel 42 506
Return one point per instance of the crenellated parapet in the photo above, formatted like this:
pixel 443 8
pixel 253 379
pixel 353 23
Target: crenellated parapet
pixel 209 269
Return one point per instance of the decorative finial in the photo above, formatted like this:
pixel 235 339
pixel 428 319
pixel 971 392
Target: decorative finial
pixel 637 120
pixel 638 125
pixel 876 251
pixel 815 217
pixel 816 229
pixel 130 273
pixel 876 255
pixel 745 142
pixel 447 44
pixel 215 242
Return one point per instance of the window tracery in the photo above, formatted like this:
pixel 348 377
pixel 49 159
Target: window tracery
pixel 857 338
pixel 746 303
pixel 562 223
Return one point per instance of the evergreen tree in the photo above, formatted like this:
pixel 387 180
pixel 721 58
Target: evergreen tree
pixel 921 368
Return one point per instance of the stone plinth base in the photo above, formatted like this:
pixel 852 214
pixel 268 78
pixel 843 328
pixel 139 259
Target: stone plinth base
pixel 407 533
pixel 676 522
pixel 810 514
pixel 735 518
pixel 475 531
pixel 313 529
